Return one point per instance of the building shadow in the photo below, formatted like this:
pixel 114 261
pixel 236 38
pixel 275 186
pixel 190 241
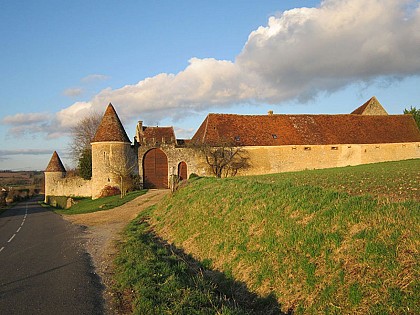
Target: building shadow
pixel 230 292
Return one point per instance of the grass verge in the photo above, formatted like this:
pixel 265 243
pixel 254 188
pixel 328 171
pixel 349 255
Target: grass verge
pixel 161 279
pixel 87 205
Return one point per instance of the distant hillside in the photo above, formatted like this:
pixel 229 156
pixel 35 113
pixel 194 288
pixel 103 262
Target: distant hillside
pixel 22 180
pixel 336 241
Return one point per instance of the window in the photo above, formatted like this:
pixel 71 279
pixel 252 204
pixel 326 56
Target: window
pixel 237 138
pixel 334 148
pixel 307 148
pixel 274 136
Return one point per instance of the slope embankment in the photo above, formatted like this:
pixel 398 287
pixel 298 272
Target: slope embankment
pixel 330 241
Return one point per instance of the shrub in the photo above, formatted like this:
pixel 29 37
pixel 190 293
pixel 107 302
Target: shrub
pixel 110 191
pixel 193 175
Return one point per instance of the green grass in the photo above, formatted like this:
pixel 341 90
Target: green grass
pixel 87 205
pixel 159 279
pixel 333 241
pixel 389 181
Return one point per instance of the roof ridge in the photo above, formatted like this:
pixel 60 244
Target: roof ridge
pixel 205 129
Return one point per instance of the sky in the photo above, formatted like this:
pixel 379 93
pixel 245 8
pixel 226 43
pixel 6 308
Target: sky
pixel 170 63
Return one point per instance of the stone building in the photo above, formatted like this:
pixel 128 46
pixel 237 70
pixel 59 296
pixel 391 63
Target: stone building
pixel 275 143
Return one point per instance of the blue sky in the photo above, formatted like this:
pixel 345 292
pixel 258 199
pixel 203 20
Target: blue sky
pixel 173 62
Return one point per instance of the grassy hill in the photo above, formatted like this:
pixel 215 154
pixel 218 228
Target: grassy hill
pixel 336 241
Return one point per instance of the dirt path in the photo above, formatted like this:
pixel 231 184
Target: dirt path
pixel 103 230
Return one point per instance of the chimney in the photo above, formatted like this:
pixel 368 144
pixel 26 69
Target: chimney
pixel 270 113
pixel 139 130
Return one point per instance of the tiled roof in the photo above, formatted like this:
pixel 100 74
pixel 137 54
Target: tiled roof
pixel 273 130
pixel 371 107
pixel 151 135
pixel 110 128
pixel 55 164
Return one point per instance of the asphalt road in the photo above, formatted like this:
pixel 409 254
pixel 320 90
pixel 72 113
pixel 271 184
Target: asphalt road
pixel 43 266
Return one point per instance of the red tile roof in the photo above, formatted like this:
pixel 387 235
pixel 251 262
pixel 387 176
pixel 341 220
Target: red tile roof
pixel 151 135
pixel 55 164
pixel 273 130
pixel 110 128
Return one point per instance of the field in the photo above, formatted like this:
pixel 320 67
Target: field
pixel 336 241
pixel 22 180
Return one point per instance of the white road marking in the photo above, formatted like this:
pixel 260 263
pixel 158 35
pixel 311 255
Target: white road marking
pixel 13 236
pixel 23 221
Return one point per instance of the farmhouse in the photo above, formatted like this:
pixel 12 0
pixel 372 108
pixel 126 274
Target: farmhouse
pixel 274 143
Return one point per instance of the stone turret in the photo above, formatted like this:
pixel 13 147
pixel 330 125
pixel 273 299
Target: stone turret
pixel 54 172
pixel 112 154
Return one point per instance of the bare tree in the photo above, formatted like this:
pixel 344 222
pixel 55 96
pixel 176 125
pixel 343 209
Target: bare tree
pixel 124 170
pixel 79 147
pixel 82 134
pixel 225 158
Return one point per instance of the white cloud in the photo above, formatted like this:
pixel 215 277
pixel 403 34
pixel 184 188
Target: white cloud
pixel 7 155
pixel 25 119
pixel 300 53
pixel 94 78
pixel 85 81
pixel 71 115
pixel 4 153
pixel 22 124
pixel 73 92
pixel 304 51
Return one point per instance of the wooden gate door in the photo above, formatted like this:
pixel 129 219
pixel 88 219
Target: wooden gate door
pixel 155 169
pixel 182 171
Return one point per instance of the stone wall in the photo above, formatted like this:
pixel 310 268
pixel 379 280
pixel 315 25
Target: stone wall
pixel 56 184
pixel 263 160
pixel 266 160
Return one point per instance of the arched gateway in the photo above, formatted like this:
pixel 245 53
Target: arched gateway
pixel 155 169
pixel 182 170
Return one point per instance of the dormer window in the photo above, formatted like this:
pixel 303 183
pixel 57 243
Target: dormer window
pixel 237 138
pixel 274 136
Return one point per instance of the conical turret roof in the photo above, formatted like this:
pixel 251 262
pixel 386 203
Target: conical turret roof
pixel 55 164
pixel 110 128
